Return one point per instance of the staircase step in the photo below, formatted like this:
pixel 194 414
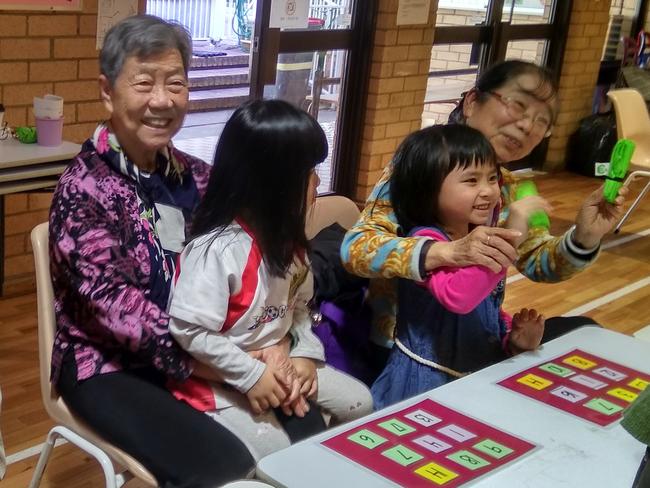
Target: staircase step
pixel 208 78
pixel 204 100
pixel 233 57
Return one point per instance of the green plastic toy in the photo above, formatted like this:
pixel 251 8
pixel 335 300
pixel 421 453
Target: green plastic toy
pixel 619 163
pixel 537 219
pixel 26 135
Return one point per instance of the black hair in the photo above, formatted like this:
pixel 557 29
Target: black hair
pixel 498 75
pixel 142 36
pixel 261 172
pixel 422 162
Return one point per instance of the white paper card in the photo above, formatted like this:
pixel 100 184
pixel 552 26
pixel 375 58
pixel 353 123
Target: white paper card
pixel 432 444
pixel 170 227
pixel 289 14
pixel 456 433
pixel 423 418
pixel 574 396
pixel 592 383
pixel 413 12
pixel 609 373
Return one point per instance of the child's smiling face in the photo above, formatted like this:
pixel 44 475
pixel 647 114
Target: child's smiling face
pixel 468 196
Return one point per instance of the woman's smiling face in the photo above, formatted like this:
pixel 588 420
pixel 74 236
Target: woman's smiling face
pixel 147 103
pixel 512 137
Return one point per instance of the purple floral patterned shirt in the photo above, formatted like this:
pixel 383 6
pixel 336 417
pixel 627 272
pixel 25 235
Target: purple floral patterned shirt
pixel 110 272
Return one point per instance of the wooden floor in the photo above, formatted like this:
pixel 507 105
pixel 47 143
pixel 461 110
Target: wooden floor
pixel 24 423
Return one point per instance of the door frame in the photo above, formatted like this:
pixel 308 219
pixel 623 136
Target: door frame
pixel 358 41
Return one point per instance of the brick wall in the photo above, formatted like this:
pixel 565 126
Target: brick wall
pixel 398 83
pixel 43 52
pixel 589 20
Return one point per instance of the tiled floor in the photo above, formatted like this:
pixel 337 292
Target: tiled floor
pixel 201 132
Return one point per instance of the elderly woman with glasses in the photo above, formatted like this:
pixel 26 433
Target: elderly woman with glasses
pixel 118 219
pixel 514 105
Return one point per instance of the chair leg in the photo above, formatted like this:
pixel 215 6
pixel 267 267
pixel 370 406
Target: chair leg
pixel 632 207
pixel 59 431
pixel 43 459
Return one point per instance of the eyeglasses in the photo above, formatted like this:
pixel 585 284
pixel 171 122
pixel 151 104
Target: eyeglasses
pixel 542 123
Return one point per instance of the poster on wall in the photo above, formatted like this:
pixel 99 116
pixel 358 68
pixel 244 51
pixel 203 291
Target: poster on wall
pixel 109 13
pixel 40 4
pixel 289 14
pixel 413 12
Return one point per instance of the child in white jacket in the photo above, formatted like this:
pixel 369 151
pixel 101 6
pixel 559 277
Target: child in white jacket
pixel 244 284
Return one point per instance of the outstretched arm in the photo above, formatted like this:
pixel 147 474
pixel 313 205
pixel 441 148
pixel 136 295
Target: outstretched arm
pixel 373 249
pixel 546 258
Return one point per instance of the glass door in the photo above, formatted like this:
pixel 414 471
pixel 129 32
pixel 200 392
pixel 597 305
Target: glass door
pixel 314 67
pixel 471 35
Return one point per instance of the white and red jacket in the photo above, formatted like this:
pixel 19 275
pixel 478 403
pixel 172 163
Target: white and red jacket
pixel 225 302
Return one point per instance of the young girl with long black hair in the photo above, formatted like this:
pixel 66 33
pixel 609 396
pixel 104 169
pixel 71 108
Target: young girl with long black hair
pixel 244 284
pixel 444 182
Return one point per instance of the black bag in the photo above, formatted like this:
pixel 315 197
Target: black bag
pixel 591 143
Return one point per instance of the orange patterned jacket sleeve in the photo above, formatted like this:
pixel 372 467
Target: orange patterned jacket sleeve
pixel 373 249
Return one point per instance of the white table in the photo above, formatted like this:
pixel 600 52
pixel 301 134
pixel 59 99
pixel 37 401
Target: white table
pixel 573 452
pixel 29 167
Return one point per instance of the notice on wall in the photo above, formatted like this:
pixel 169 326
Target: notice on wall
pixel 413 12
pixel 109 13
pixel 289 14
pixel 40 4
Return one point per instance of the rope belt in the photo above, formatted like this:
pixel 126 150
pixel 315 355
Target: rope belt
pixel 426 362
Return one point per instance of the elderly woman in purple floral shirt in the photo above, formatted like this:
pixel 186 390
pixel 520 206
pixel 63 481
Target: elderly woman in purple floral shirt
pixel 117 221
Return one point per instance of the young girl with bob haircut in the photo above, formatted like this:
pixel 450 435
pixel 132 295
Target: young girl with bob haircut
pixel 444 182
pixel 244 284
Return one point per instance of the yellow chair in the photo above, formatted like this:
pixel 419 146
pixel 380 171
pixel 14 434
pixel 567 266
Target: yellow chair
pixel 633 122
pixel 118 466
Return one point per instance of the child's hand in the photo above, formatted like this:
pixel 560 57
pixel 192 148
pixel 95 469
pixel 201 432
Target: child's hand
pixel 527 330
pixel 306 369
pixel 269 391
pixel 521 210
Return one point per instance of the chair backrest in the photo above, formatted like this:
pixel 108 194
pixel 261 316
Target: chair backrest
pixel 632 119
pixel 328 210
pixel 53 403
pixel 46 318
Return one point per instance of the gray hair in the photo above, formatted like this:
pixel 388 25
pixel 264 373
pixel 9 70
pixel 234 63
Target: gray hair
pixel 142 36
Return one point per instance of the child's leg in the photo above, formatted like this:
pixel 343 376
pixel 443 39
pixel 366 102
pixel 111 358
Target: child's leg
pixel 261 434
pixel 341 395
